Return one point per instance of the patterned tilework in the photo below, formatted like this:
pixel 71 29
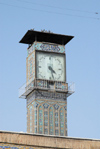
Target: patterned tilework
pixel 56 106
pixel 46 95
pixel 56 123
pixel 40 120
pixel 35 116
pixel 61 122
pixel 30 109
pixel 11 146
pixel 60 85
pixel 66 123
pixel 65 109
pixel 49 47
pixel 28 119
pixel 14 147
pixel 50 96
pixel 46 47
pixel 51 125
pixel 45 122
pixel 50 116
pixel 30 67
pixel 45 118
pixel 30 49
pixel 41 83
pixel 45 105
pixel 30 98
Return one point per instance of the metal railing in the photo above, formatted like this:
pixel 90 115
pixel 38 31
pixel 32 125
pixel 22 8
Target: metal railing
pixel 52 86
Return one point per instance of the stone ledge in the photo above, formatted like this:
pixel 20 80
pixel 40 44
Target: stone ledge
pixel 44 141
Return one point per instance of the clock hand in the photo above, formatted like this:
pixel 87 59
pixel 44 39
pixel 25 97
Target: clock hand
pixel 52 71
pixel 50 68
pixel 52 75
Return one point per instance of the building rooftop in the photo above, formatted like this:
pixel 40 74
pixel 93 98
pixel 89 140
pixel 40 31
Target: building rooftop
pixel 42 36
pixel 22 140
pixel 43 135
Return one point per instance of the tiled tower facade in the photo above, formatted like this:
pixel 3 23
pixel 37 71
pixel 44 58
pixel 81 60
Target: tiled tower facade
pixel 45 114
pixel 46 89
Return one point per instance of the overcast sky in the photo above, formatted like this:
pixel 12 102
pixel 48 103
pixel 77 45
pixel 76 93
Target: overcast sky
pixel 80 19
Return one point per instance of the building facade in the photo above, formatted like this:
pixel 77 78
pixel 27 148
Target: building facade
pixel 13 140
pixel 46 90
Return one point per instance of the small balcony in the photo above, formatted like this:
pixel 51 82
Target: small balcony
pixel 47 85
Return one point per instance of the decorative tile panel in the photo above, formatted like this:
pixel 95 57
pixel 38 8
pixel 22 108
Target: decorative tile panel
pixel 61 103
pixel 30 99
pixel 30 50
pixel 30 62
pixel 49 47
pixel 51 126
pixel 65 107
pixel 60 85
pixel 50 114
pixel 40 101
pixel 46 47
pixel 56 123
pixel 14 146
pixel 36 105
pixel 35 122
pixel 41 83
pixel 45 105
pixel 56 132
pixel 61 122
pixel 66 123
pixel 30 109
pixel 50 95
pixel 46 122
pixel 40 120
pixel 56 107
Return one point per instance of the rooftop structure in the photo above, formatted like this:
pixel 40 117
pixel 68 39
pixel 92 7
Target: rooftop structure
pixel 32 36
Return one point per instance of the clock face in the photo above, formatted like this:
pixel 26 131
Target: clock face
pixel 50 66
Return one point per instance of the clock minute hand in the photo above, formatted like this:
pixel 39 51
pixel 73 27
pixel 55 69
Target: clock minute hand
pixel 50 68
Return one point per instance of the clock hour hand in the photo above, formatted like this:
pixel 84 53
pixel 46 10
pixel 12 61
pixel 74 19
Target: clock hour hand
pixel 50 68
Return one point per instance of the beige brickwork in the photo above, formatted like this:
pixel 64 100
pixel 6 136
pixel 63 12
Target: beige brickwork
pixel 25 140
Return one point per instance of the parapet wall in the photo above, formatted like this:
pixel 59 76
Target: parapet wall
pixel 13 140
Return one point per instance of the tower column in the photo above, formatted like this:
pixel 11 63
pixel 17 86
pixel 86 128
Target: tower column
pixel 46 89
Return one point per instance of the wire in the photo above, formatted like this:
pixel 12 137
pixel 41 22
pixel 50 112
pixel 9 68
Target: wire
pixel 50 11
pixel 58 7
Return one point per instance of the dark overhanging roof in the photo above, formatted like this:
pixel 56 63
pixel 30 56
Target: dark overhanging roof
pixel 32 36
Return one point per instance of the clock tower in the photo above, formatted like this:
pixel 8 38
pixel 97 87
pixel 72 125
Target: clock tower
pixel 46 89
